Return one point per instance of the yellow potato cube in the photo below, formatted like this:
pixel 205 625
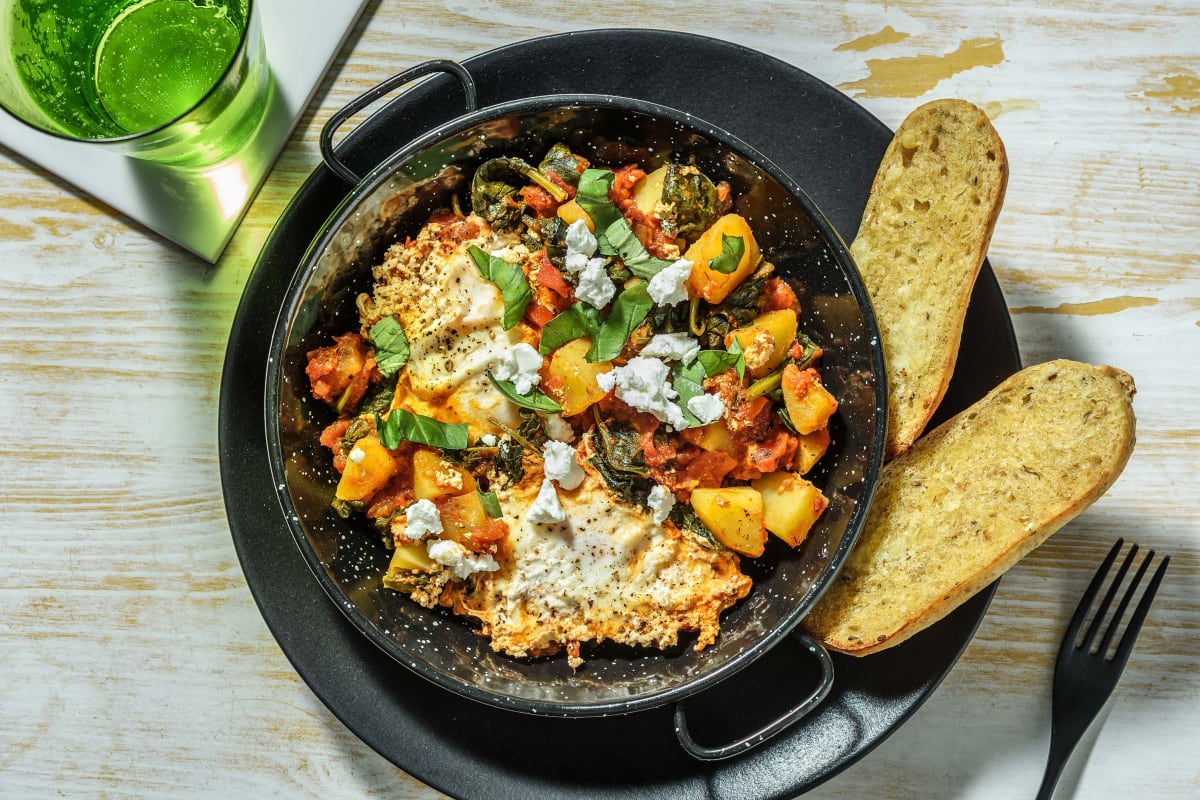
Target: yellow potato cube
pixel 714 436
pixel 571 211
pixel 710 284
pixel 369 466
pixel 572 378
pixel 647 192
pixel 735 516
pixel 808 403
pixel 461 515
pixel 766 341
pixel 791 505
pixel 812 447
pixel 434 477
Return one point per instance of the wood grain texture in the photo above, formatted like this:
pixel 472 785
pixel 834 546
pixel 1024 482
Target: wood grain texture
pixel 133 661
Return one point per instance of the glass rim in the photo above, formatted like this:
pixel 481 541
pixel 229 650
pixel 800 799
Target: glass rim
pixel 131 138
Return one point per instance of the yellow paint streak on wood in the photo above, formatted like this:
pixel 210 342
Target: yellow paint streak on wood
pixel 913 76
pixel 1181 90
pixel 1094 308
pixel 998 108
pixel 870 41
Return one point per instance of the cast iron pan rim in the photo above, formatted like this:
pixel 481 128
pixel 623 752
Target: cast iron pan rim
pixel 293 298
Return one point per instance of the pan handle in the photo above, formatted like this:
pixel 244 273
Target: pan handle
pixel 371 95
pixel 775 726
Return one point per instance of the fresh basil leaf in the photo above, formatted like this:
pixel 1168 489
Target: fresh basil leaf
pixel 592 197
pixel 732 250
pixel 628 311
pixel 581 319
pixel 401 425
pixel 534 398
pixel 490 503
pixel 391 346
pixel 514 288
pixel 736 347
pixel 626 244
pixel 689 382
pixel 717 361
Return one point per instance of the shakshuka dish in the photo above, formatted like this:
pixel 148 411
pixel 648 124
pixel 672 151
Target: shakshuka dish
pixel 572 408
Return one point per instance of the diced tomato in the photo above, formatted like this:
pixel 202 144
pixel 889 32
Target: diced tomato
pixel 539 200
pixel 623 181
pixel 538 315
pixel 709 469
pixel 779 295
pixel 552 278
pixel 340 374
pixel 560 183
pixel 770 454
pixel 331 437
pixel 485 537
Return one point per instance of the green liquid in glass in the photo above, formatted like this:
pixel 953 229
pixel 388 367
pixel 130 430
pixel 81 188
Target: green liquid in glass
pixel 159 58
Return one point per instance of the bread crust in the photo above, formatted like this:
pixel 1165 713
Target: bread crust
pixel 974 496
pixel 920 245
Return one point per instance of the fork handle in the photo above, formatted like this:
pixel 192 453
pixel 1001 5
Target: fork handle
pixel 1062 743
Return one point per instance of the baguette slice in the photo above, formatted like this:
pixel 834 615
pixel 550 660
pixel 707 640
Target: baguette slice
pixel 973 497
pixel 920 245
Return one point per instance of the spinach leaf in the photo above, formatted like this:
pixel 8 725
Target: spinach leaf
pixel 619 459
pixel 533 399
pixel 732 250
pixel 514 288
pixel 391 346
pixel 401 425
pixel 495 185
pixel 693 201
pixel 592 197
pixel 686 519
pixel 625 244
pixel 560 161
pixel 579 320
pixel 490 503
pixel 510 461
pixel 628 311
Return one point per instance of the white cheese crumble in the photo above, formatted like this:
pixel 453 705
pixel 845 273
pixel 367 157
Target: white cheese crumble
pixel 357 454
pixel 558 428
pixel 546 506
pixel 706 407
pixel 669 286
pixel 672 347
pixel 594 286
pixel 489 440
pixel 580 239
pixel 645 384
pixel 519 365
pixel 422 517
pixel 561 464
pixel 461 561
pixel 661 502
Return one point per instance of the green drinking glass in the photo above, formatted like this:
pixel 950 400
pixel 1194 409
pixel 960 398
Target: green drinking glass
pixel 180 82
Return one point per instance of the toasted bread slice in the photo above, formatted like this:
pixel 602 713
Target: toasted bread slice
pixel 924 233
pixel 973 497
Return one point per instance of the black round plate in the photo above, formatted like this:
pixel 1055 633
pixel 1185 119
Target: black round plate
pixel 828 144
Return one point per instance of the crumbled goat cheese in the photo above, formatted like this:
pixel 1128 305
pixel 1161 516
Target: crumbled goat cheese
pixel 489 440
pixel 357 454
pixel 546 506
pixel 645 384
pixel 594 286
pixel 669 286
pixel 558 428
pixel 672 347
pixel 661 502
pixel 422 517
pixel 580 239
pixel 706 407
pixel 519 365
pixel 561 464
pixel 461 561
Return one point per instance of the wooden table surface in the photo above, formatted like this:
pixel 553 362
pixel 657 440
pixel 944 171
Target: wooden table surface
pixel 133 660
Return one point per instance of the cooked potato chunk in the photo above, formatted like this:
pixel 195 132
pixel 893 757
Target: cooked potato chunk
pixel 647 192
pixel 461 515
pixel 434 477
pixel 766 340
pixel 809 404
pixel 710 284
pixel 572 381
pixel 735 516
pixel 791 505
pixel 812 447
pixel 369 466
pixel 714 436
pixel 571 211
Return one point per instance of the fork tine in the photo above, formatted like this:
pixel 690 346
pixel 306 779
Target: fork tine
pixel 1089 594
pixel 1093 630
pixel 1115 622
pixel 1125 647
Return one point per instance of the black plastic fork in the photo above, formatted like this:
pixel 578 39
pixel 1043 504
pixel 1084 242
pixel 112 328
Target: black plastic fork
pixel 1085 674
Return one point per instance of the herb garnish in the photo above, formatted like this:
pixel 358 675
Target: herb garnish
pixel 490 503
pixel 579 320
pixel 628 311
pixel 533 399
pixel 514 288
pixel 391 346
pixel 624 242
pixel 732 250
pixel 592 197
pixel 401 425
